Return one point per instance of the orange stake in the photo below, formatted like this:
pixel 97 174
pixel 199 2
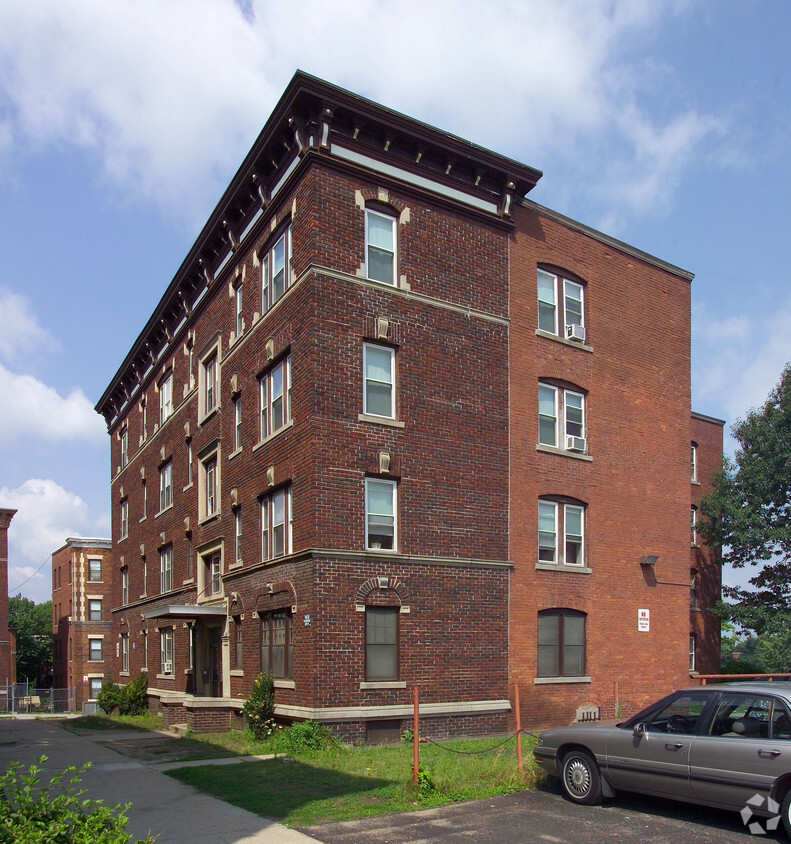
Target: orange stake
pixel 518 728
pixel 416 733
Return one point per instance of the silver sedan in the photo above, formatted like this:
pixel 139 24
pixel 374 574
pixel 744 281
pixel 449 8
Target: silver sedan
pixel 726 746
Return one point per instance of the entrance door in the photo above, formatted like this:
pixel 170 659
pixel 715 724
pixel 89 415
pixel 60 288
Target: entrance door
pixel 215 661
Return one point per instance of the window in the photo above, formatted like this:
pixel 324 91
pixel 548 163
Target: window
pixel 560 306
pixel 561 643
pixel 94 610
pixel 276 524
pixel 380 240
pixel 145 500
pixel 277 645
pixel 124 518
pixel 275 398
pixel 276 271
pixel 694 459
pixel 572 528
pixel 166 486
pixel 166 398
pixel 124 441
pixel 124 586
pixel 212 498
pixel 210 378
pixel 144 419
pixel 691 652
pixel 95 571
pixel 237 423
pixel 166 650
pixel 238 662
pixel 693 521
pixel 380 515
pixel 693 589
pixel 238 306
pixel 189 463
pixel 381 643
pixel 166 568
pixel 237 522
pixel 573 415
pixel 212 574
pixel 680 715
pixel 94 687
pixel 95 650
pixel 379 376
pixel 125 652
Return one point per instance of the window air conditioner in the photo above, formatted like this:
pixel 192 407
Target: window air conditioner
pixel 167 667
pixel 575 443
pixel 575 332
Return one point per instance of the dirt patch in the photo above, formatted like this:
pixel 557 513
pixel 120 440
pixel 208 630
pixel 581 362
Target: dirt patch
pixel 163 749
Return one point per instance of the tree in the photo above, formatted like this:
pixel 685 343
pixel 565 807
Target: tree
pixel 749 514
pixel 33 625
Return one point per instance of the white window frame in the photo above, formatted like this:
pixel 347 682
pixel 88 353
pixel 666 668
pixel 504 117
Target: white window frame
pixel 694 462
pixel 371 213
pixel 692 643
pixel 92 681
pixel 124 586
pixel 562 288
pixel 548 506
pixel 92 604
pixel 268 270
pixel 237 522
pixel 266 398
pixel 547 390
pixel 209 380
pixel 166 568
pixel 167 650
pixel 237 423
pixel 93 642
pixel 123 438
pixel 124 518
pixel 270 504
pixel 569 285
pixel 94 563
pixel 166 486
pixel 693 523
pixel 560 552
pixel 550 279
pixel 209 483
pixel 567 508
pixel 238 308
pixel 125 652
pixel 166 398
pixel 368 348
pixel 370 483
pixel 581 397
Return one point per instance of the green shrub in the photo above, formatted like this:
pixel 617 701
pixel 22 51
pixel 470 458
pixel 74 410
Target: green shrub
pixel 425 781
pixel 134 698
pixel 260 706
pixel 303 737
pixel 130 699
pixel 30 814
pixel 109 698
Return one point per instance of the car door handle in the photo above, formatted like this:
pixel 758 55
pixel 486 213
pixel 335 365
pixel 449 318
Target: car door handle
pixel 673 745
pixel 771 753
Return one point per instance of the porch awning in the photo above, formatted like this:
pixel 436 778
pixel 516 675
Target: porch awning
pixel 187 611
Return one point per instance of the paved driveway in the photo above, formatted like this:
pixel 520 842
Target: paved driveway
pixel 162 806
pixel 545 816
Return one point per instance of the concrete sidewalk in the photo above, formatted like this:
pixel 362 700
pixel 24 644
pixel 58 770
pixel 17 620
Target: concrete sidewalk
pixel 161 806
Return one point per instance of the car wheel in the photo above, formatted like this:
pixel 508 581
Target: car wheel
pixel 786 813
pixel 581 778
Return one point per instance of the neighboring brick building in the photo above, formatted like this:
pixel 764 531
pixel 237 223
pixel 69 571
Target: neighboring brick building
pixel 7 639
pixel 83 643
pixel 394 425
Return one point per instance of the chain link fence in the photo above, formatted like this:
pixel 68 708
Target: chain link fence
pixel 22 698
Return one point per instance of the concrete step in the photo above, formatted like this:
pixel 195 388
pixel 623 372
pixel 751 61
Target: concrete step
pixel 179 729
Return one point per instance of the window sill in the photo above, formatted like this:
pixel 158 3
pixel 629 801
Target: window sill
pixel 188 486
pixel 277 433
pixel 123 673
pixel 236 565
pixel 142 520
pixel 237 672
pixel 188 582
pixel 120 539
pixel 213 412
pixel 381 551
pixel 235 453
pixel 573 343
pixel 551 449
pixel 203 520
pixel 542 681
pixel 695 483
pixel 559 567
pixel 144 668
pixel 211 599
pixel 384 684
pixel 166 676
pixel 285 684
pixel 380 420
pixel 164 510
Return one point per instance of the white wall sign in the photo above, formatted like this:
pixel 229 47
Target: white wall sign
pixel 643 621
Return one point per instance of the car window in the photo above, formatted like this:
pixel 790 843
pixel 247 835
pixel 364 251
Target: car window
pixel 747 716
pixel 781 722
pixel 680 715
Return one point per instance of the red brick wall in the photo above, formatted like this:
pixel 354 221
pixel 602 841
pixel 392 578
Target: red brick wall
pixel 635 487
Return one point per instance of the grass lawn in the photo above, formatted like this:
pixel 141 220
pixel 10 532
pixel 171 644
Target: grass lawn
pixel 344 782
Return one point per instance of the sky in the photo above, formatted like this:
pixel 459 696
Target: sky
pixel 665 123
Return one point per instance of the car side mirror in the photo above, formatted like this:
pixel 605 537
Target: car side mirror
pixel 639 730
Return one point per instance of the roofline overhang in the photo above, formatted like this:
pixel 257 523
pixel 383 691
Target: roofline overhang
pixel 187 611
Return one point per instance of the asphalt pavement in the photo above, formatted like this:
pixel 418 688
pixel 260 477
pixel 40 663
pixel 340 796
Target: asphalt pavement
pixel 161 806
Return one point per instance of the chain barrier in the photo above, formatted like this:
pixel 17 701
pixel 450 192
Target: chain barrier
pixel 476 752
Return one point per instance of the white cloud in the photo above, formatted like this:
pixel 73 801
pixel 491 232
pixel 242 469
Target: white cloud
pixel 21 334
pixel 170 95
pixel 47 514
pixel 33 409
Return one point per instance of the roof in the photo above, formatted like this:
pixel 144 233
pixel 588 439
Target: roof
pixel 187 611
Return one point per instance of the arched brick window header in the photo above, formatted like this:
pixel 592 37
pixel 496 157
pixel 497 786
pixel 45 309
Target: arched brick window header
pixel 279 595
pixel 384 199
pixel 382 591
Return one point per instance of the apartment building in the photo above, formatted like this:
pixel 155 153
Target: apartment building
pixel 83 643
pixel 394 425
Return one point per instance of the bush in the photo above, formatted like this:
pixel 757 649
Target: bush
pixel 130 699
pixel 304 737
pixel 29 814
pixel 260 707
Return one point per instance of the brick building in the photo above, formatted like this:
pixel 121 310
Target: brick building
pixel 7 638
pixel 83 644
pixel 392 424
